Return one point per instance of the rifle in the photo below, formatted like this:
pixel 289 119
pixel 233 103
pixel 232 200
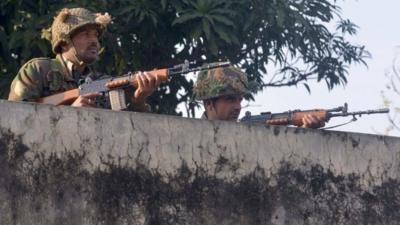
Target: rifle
pixel 114 87
pixel 295 117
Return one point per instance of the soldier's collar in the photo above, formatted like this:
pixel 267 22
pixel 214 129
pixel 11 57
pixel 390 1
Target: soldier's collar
pixel 71 68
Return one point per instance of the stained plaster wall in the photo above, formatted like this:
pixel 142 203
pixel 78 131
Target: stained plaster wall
pixel 64 165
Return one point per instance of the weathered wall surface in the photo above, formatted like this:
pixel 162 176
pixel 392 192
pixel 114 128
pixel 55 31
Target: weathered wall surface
pixel 62 165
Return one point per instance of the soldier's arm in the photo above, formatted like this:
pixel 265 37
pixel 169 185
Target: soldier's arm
pixel 27 84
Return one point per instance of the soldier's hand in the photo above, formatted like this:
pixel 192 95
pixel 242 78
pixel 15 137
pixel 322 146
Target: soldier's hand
pixel 310 121
pixel 147 84
pixel 87 100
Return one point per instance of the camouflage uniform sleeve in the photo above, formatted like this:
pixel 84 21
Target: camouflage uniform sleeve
pixel 27 84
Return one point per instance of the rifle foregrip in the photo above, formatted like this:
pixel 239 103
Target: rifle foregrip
pixel 161 74
pixel 117 83
pixel 296 118
pixel 281 121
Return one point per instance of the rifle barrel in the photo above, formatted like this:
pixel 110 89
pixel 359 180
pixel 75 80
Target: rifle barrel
pixel 359 113
pixel 185 68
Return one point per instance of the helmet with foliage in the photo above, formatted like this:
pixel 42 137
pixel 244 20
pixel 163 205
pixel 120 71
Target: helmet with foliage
pixel 70 21
pixel 221 82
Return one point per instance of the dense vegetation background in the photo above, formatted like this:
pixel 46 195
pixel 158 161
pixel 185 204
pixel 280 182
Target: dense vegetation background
pixel 289 35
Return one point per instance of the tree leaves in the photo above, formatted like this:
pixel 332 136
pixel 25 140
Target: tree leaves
pixel 210 19
pixel 145 34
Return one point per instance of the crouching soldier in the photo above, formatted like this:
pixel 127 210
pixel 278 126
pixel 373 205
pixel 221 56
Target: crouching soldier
pixel 222 91
pixel 74 36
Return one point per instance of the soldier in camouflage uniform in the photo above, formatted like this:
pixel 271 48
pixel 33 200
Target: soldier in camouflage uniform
pixel 222 91
pixel 74 36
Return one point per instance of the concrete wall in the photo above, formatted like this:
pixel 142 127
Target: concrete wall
pixel 63 165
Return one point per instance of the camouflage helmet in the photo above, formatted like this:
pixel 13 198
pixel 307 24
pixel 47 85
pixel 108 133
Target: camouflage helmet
pixel 221 82
pixel 69 21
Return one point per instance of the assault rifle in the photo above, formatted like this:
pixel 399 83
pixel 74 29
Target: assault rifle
pixel 114 87
pixel 295 117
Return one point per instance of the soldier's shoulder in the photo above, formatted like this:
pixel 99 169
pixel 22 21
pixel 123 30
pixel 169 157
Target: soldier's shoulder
pixel 40 65
pixel 39 61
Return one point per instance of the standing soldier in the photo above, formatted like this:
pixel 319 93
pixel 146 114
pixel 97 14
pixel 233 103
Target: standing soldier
pixel 222 91
pixel 74 36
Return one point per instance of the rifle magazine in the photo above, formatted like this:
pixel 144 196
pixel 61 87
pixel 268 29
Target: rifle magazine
pixel 118 99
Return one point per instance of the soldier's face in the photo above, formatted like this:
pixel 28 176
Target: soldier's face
pixel 87 46
pixel 225 108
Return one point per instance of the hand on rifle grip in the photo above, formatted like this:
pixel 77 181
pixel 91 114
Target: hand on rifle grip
pixel 87 100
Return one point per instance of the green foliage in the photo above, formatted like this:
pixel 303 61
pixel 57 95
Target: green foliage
pixel 292 35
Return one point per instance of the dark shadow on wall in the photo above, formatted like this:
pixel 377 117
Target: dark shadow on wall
pixel 59 190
